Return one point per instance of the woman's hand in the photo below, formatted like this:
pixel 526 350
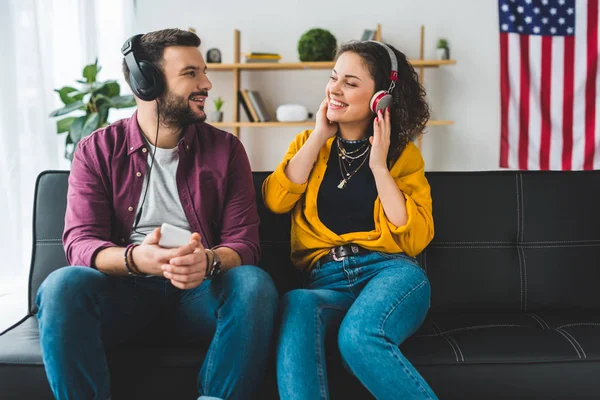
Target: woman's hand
pixel 324 128
pixel 380 141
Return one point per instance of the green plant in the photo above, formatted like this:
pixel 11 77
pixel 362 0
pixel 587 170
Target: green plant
pixel 442 44
pixel 218 103
pixel 317 45
pixel 92 102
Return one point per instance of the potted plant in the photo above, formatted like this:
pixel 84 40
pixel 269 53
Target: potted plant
pixel 317 45
pixel 217 115
pixel 443 51
pixel 91 105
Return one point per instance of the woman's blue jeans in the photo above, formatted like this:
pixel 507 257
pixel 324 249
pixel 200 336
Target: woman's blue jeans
pixel 376 301
pixel 82 312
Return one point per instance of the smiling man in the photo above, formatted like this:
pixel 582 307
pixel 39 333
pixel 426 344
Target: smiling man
pixel 162 165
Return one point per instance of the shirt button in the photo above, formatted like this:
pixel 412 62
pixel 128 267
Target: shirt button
pixel 130 208
pixel 187 147
pixel 138 174
pixel 131 148
pixel 144 150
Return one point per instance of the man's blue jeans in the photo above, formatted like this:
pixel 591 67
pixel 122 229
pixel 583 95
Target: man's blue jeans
pixel 376 301
pixel 83 311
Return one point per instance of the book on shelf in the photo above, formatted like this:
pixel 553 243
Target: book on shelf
pixel 258 105
pixel 262 57
pixel 247 105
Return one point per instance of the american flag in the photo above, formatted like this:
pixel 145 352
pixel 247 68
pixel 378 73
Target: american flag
pixel 549 84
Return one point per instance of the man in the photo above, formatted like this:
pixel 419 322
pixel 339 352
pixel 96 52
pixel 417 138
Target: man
pixel 161 165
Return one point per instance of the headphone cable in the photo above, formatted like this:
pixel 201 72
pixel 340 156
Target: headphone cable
pixel 139 214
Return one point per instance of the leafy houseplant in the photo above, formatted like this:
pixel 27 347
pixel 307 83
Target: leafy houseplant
pixel 317 45
pixel 443 50
pixel 91 103
pixel 217 116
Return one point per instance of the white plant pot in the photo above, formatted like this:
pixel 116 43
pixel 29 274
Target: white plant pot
pixel 216 116
pixel 442 54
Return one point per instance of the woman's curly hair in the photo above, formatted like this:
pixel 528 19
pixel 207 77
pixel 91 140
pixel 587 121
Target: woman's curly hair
pixel 409 111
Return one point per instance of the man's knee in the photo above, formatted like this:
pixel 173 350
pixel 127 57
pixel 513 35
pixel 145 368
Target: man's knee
pixel 66 286
pixel 251 286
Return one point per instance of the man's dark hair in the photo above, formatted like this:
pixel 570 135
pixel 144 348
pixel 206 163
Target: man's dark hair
pixel 151 46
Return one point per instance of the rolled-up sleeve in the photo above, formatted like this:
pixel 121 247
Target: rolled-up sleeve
pixel 239 228
pixel 279 193
pixel 87 218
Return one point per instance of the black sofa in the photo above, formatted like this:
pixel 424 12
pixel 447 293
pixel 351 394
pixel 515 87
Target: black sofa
pixel 515 273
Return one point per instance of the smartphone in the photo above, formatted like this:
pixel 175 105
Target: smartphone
pixel 173 236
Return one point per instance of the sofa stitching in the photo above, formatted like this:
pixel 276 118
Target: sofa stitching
pixel 536 318
pixel 572 344
pixel 48 240
pixel 519 238
pixel 472 328
pixel 542 319
pixel 597 241
pixel 578 324
pixel 457 347
pixel 524 245
pixel 437 328
pixel 575 340
pixel 49 244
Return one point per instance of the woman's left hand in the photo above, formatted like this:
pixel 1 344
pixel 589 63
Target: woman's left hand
pixel 380 141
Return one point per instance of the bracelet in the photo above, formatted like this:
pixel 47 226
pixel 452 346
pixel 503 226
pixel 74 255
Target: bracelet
pixel 134 267
pixel 125 258
pixel 208 264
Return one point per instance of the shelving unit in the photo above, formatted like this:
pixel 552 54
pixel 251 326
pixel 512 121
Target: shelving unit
pixel 237 67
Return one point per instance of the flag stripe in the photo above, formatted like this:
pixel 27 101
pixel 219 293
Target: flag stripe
pixel 569 82
pixel 504 99
pixel 535 102
pixel 590 89
pixel 524 103
pixel 556 103
pixel 545 94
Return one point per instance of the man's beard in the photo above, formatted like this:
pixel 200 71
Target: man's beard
pixel 176 112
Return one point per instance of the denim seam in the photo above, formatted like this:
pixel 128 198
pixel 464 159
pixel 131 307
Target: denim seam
pixel 213 345
pixel 395 350
pixel 320 369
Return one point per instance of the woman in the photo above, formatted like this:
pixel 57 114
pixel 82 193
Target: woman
pixel 361 212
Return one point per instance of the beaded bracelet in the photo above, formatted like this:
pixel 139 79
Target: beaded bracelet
pixel 130 268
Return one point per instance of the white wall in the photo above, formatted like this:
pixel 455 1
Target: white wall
pixel 467 93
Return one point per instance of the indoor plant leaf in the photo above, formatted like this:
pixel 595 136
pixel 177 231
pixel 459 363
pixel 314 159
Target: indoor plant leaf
pixel 67 109
pixel 69 94
pixel 91 124
pixel 76 128
pixel 63 125
pixel 123 101
pixel 91 71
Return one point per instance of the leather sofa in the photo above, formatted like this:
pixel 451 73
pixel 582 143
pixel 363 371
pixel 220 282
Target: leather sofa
pixel 515 274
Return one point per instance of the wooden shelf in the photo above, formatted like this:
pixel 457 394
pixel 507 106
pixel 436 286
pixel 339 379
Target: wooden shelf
pixel 288 124
pixel 317 65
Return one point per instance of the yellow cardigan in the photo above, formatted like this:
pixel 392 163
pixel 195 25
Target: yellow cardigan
pixel 311 239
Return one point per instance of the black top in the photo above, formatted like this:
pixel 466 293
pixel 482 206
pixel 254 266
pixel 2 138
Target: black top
pixel 349 209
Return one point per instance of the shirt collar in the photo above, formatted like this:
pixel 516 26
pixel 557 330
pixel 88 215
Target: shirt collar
pixel 135 137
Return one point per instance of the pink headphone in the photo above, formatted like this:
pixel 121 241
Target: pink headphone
pixel 383 98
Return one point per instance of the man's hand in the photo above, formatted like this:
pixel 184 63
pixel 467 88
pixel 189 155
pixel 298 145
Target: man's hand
pixel 187 270
pixel 149 257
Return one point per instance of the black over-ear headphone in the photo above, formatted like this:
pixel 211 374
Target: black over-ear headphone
pixel 383 98
pixel 145 80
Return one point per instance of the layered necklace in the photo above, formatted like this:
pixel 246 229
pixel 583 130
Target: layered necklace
pixel 346 158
